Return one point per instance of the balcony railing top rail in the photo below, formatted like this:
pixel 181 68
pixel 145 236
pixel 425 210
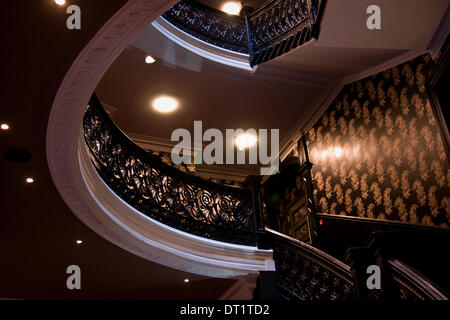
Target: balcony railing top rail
pixel 164 193
pixel 411 285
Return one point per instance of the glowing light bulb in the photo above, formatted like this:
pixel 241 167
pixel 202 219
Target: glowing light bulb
pixel 232 7
pixel 4 126
pixel 60 2
pixel 245 140
pixel 149 59
pixel 165 104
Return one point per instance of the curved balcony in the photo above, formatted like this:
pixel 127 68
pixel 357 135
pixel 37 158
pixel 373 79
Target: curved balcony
pixel 162 214
pixel 175 198
pixel 183 230
pixel 266 33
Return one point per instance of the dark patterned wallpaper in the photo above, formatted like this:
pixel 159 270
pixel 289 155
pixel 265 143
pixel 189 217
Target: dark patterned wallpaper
pixel 377 152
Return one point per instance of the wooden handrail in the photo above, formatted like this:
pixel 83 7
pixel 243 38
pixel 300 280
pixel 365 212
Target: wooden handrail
pixel 417 283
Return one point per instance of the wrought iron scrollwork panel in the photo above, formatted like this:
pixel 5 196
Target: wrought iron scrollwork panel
pixel 300 275
pixel 175 198
pixel 280 26
pixel 276 19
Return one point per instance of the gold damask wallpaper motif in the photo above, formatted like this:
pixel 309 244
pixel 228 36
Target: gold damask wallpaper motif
pixel 377 152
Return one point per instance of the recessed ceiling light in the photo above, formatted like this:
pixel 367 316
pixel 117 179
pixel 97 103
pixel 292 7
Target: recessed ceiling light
pixel 79 241
pixel 232 7
pixel 60 2
pixel 29 180
pixel 245 140
pixel 186 280
pixel 165 104
pixel 4 126
pixel 149 59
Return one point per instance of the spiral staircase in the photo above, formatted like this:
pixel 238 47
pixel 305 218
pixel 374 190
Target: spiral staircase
pixel 180 220
pixel 230 217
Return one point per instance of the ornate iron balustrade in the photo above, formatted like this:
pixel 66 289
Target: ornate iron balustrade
pixel 306 273
pixel 209 25
pixel 280 26
pixel 264 34
pixel 162 192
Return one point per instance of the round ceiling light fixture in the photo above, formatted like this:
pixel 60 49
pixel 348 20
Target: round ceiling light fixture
pixel 232 8
pixel 4 126
pixel 245 140
pixel 165 104
pixel 149 59
pixel 29 180
pixel 60 2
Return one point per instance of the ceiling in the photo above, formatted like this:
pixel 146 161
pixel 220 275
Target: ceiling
pixel 37 230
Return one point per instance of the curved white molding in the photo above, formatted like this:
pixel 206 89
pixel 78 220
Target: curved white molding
pixel 158 242
pixel 85 193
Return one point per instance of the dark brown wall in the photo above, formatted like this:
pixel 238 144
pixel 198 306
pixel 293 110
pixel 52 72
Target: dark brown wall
pixel 393 165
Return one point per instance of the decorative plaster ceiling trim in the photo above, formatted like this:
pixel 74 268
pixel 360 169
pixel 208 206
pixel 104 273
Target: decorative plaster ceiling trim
pixel 157 242
pixel 64 132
